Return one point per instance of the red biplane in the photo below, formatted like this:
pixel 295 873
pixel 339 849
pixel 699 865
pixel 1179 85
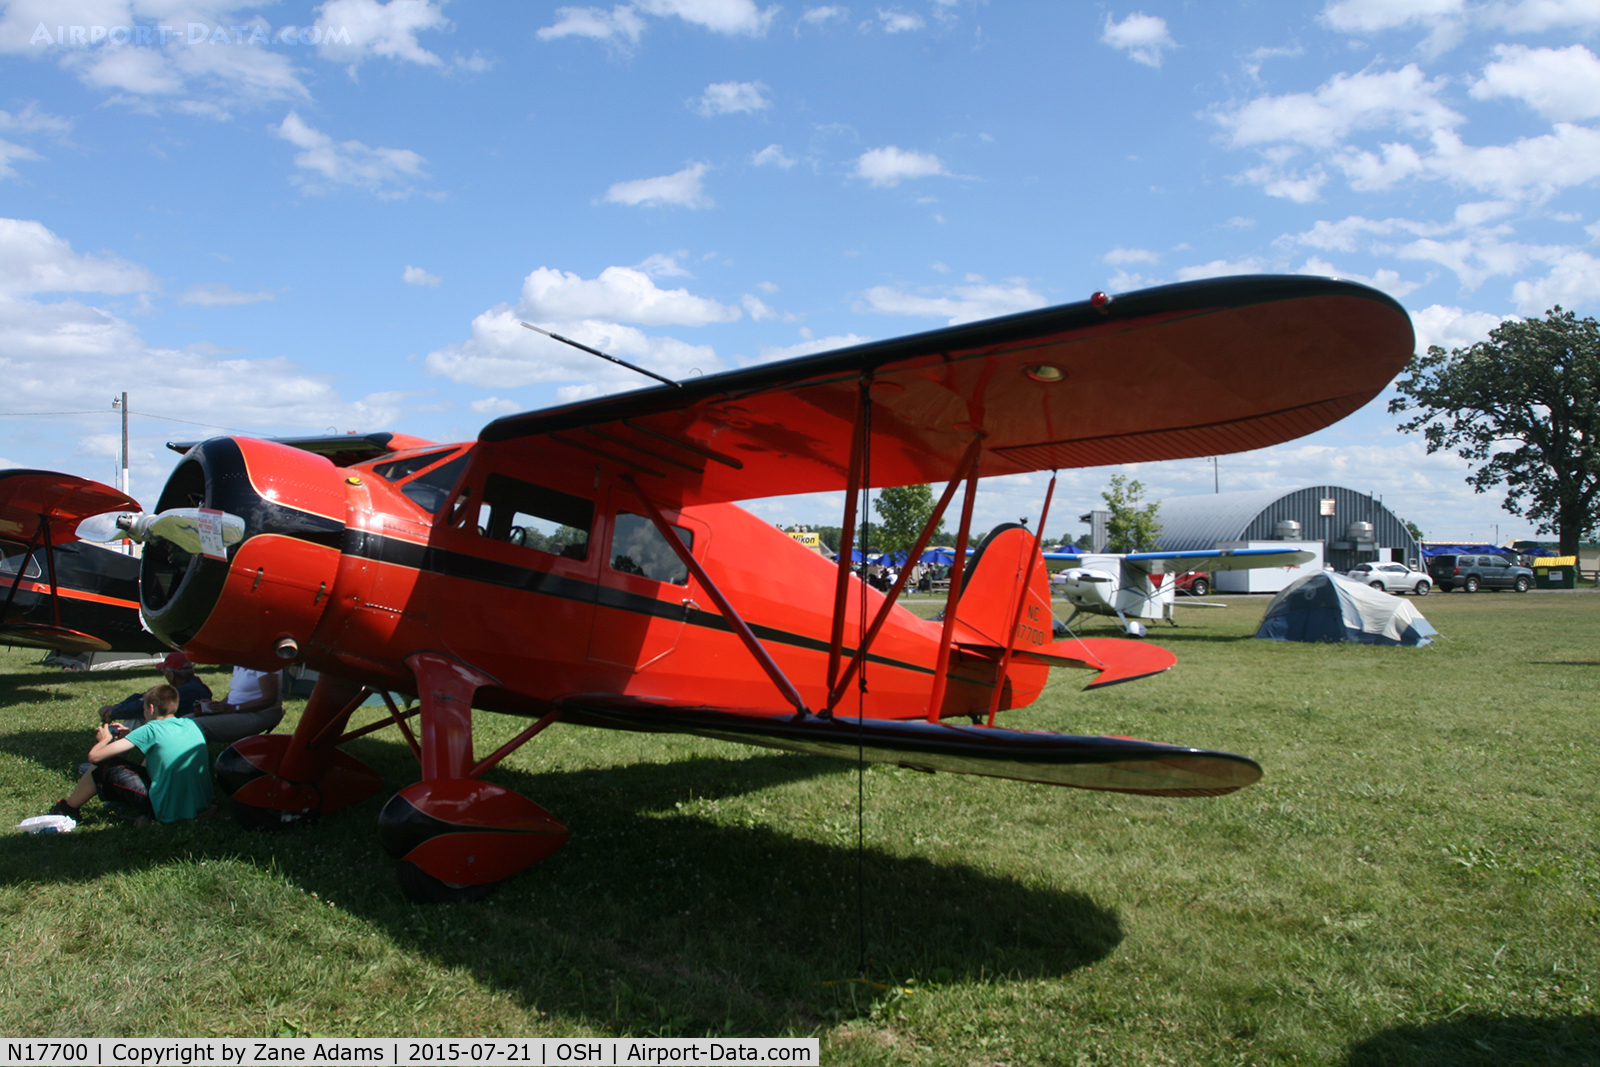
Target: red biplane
pixel 60 592
pixel 587 563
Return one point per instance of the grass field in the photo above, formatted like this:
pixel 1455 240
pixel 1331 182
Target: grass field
pixel 1415 881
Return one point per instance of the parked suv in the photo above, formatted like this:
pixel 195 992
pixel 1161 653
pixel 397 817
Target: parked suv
pixel 1472 573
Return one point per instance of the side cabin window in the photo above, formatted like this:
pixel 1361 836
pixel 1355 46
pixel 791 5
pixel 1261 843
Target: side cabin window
pixel 11 557
pixel 637 547
pixel 431 488
pixel 531 516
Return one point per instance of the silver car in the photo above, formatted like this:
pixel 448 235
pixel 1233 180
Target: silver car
pixel 1391 577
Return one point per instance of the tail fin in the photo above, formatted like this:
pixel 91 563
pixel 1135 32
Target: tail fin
pixel 1005 567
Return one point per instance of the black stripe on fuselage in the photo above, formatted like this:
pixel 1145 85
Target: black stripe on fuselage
pixel 365 544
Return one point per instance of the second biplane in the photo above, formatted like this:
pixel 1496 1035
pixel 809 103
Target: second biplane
pixel 587 563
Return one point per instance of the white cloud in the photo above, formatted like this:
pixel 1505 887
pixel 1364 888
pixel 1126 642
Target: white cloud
pixel 1536 166
pixel 1540 16
pixel 501 354
pixel 730 17
pixel 621 23
pixel 811 346
pixel 683 188
pixel 1219 268
pixel 56 355
pixel 890 166
pixel 731 98
pixel 216 294
pixel 10 152
pixel 1290 185
pixel 1403 98
pixel 660 265
pixel 417 276
pixel 1143 37
pixel 1451 327
pixel 1371 16
pixel 772 156
pixel 817 16
pixel 756 308
pixel 1573 282
pixel 1389 281
pixel 619 294
pixel 896 21
pixel 971 302
pixel 355 30
pixel 35 260
pixel 495 406
pixel 214 59
pixel 31 120
pixel 1559 83
pixel 1121 256
pixel 385 172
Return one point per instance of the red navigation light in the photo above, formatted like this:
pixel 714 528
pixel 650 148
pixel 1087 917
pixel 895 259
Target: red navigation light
pixel 1099 301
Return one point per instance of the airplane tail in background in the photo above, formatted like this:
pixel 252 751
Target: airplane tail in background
pixel 1005 567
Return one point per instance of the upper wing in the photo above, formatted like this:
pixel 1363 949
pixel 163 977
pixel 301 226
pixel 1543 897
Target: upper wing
pixel 29 498
pixel 1196 369
pixel 340 449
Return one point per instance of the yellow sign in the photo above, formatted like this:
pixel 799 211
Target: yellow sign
pixel 809 538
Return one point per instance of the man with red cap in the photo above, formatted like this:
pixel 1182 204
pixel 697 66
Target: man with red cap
pixel 179 672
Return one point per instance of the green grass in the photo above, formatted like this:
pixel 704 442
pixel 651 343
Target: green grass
pixel 1415 881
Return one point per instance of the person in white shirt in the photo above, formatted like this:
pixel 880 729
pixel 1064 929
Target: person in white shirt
pixel 254 706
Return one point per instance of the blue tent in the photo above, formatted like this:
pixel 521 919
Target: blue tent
pixel 1331 607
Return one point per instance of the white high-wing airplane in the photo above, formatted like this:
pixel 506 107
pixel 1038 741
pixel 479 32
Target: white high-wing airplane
pixel 1104 583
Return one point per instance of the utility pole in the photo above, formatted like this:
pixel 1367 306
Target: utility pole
pixel 123 404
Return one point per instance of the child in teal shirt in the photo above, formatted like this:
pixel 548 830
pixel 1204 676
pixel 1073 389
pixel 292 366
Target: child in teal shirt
pixel 173 783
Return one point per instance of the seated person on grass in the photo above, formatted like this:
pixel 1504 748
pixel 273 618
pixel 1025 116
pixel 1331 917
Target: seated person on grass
pixel 173 783
pixel 179 673
pixel 253 707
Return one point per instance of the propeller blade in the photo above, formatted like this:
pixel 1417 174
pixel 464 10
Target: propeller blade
pixel 103 528
pixel 183 527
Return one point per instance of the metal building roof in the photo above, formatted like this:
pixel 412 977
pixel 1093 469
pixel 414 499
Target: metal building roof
pixel 1196 522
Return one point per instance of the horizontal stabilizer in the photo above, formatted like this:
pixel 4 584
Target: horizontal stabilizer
pixel 1116 660
pixel 1112 764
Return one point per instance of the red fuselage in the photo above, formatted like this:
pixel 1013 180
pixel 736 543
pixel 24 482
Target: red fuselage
pixel 544 575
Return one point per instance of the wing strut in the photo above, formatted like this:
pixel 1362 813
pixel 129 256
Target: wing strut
pixel 738 625
pixel 957 575
pixel 847 538
pixel 1022 601
pixel 836 693
pixel 22 569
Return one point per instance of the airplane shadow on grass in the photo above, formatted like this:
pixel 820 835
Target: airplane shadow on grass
pixel 654 919
pixel 1484 1041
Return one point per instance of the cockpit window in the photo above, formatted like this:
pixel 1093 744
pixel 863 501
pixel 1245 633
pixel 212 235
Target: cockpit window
pixel 637 547
pixel 532 516
pixel 430 489
pixel 11 555
pixel 398 469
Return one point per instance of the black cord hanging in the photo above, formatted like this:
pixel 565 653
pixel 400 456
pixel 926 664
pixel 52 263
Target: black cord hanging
pixel 861 681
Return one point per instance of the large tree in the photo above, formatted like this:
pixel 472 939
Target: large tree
pixel 1131 528
pixel 904 510
pixel 1524 408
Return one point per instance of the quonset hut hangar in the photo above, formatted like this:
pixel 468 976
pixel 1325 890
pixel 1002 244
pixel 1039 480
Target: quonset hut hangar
pixel 1349 527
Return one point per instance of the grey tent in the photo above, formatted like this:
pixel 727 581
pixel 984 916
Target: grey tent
pixel 1331 607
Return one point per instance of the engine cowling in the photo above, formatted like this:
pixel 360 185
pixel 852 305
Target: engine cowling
pixel 266 598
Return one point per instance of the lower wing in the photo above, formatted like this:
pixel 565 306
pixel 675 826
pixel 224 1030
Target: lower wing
pixel 1112 764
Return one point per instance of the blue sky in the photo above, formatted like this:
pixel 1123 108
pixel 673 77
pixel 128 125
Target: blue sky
pixel 286 218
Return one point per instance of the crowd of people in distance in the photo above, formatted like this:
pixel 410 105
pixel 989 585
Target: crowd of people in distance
pixel 150 760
